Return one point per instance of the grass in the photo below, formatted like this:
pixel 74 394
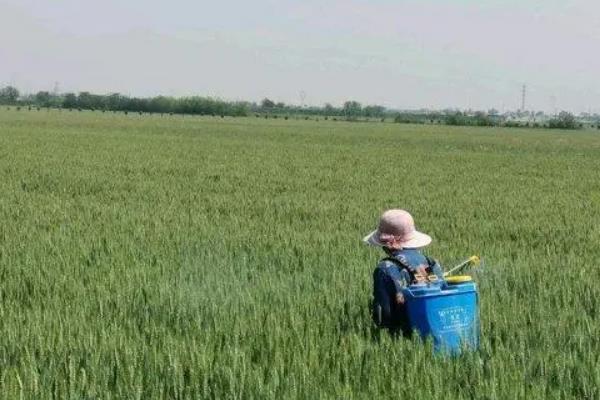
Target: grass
pixel 148 257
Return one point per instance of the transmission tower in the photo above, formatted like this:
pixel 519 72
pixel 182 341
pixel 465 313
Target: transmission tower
pixel 523 94
pixel 302 98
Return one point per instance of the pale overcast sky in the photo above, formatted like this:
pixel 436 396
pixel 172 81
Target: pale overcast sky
pixel 401 54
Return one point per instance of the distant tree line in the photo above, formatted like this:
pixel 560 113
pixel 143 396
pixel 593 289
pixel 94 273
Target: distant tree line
pixel 350 111
pixel 118 102
pixel 564 120
pixel 9 95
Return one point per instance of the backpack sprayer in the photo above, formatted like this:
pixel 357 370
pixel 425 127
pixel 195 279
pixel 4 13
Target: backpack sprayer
pixel 446 310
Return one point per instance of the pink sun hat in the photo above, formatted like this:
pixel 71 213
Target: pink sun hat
pixel 397 224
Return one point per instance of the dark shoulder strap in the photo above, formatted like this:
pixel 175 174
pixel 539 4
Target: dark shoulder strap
pixel 402 265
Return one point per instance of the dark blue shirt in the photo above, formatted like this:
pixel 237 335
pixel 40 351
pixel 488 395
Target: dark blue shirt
pixel 388 280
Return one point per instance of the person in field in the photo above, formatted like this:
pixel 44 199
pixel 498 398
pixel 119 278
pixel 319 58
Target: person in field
pixel 403 264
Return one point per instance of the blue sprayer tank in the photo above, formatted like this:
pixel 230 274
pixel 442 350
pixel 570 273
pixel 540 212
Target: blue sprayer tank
pixel 446 312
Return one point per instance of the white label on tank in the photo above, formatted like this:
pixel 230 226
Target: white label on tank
pixel 453 318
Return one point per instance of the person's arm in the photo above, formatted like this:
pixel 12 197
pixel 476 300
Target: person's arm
pixel 382 301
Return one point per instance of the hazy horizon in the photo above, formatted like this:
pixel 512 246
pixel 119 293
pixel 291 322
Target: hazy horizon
pixel 400 54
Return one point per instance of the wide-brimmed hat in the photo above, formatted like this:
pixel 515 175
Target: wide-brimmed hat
pixel 397 224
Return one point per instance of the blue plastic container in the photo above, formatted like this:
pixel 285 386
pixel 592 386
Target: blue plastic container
pixel 447 313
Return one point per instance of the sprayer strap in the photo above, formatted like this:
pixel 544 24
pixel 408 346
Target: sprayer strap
pixel 402 265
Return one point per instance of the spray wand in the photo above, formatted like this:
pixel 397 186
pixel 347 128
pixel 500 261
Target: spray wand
pixel 473 260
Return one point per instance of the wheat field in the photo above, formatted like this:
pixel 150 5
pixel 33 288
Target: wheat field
pixel 148 257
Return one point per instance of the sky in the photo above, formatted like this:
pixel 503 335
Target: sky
pixel 403 54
